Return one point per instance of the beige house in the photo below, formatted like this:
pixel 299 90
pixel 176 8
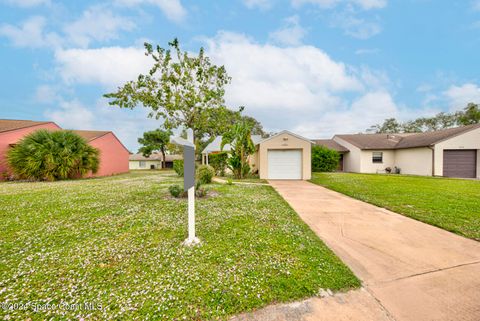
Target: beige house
pixel 154 161
pixel 451 152
pixel 282 156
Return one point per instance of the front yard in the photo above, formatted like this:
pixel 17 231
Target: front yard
pixel 110 248
pixel 452 204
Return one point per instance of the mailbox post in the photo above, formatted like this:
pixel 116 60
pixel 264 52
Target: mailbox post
pixel 189 182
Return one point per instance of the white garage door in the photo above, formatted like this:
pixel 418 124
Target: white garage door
pixel 285 164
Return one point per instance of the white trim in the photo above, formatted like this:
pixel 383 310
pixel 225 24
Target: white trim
pixel 285 132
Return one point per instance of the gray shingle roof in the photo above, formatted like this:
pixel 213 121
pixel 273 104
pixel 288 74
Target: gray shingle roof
pixel 405 140
pixel 12 124
pixel 154 157
pixel 331 144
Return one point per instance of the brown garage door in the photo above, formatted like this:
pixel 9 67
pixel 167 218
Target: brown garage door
pixel 460 163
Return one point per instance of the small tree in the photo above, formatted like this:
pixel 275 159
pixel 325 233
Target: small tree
pixel 155 140
pixel 470 115
pixel 324 159
pixel 178 166
pixel 53 155
pixel 219 162
pixel 240 139
pixel 185 91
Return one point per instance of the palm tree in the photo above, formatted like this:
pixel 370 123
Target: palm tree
pixel 240 139
pixel 53 155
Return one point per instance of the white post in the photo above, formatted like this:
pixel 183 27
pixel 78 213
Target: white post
pixel 192 239
pixel 191 215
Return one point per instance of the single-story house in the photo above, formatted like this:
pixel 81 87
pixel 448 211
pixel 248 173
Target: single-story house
pixel 281 156
pixel 113 155
pixel 154 161
pixel 452 152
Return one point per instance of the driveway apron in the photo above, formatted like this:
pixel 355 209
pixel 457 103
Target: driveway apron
pixel 415 271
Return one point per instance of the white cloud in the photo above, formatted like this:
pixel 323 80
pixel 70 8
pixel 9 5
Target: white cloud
pixel 27 3
pixel 363 4
pixel 476 5
pixel 285 88
pixel 281 78
pixel 172 9
pixel 97 23
pixel 260 4
pixel 369 109
pixel 30 33
pixel 371 4
pixel 109 66
pixel 356 27
pixel 291 34
pixel 459 96
pixel 127 125
pixel 367 51
pixel 71 115
pixel 45 94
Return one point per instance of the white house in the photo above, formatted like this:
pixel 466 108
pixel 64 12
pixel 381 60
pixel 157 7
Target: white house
pixel 281 156
pixel 451 152
pixel 154 161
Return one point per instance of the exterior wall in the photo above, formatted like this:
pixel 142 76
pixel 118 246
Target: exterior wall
pixel 468 140
pixel 291 142
pixel 351 160
pixel 253 161
pixel 13 136
pixel 113 155
pixel 414 161
pixel 367 166
pixel 135 164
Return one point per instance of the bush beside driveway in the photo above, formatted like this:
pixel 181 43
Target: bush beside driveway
pixel 451 204
pixel 116 243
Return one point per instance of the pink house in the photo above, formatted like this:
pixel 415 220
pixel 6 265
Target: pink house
pixel 11 131
pixel 113 155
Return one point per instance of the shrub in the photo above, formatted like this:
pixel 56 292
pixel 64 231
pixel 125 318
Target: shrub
pixel 176 190
pixel 53 155
pixel 229 181
pixel 324 159
pixel 201 191
pixel 205 174
pixel 218 162
pixel 178 166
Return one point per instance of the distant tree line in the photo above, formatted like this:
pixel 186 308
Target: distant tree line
pixel 467 116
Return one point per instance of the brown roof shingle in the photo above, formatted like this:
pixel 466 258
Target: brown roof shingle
pixel 404 140
pixel 331 144
pixel 90 135
pixel 12 124
pixel 154 156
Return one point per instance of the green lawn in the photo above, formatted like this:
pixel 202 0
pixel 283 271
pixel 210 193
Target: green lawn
pixel 116 243
pixel 452 204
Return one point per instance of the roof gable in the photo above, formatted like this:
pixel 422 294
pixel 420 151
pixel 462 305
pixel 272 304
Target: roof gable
pixel 331 144
pixel 404 140
pixel 285 132
pixel 90 135
pixel 14 124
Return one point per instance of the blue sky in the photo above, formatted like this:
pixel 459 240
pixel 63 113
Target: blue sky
pixel 316 67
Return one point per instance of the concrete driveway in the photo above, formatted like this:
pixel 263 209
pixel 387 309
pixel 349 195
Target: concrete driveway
pixel 414 271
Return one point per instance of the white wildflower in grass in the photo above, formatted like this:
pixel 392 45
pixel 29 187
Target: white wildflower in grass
pixel 115 244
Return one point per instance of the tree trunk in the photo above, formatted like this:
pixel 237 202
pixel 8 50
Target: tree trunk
pixel 164 163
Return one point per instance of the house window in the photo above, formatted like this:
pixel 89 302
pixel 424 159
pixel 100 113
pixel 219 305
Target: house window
pixel 377 157
pixel 142 164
